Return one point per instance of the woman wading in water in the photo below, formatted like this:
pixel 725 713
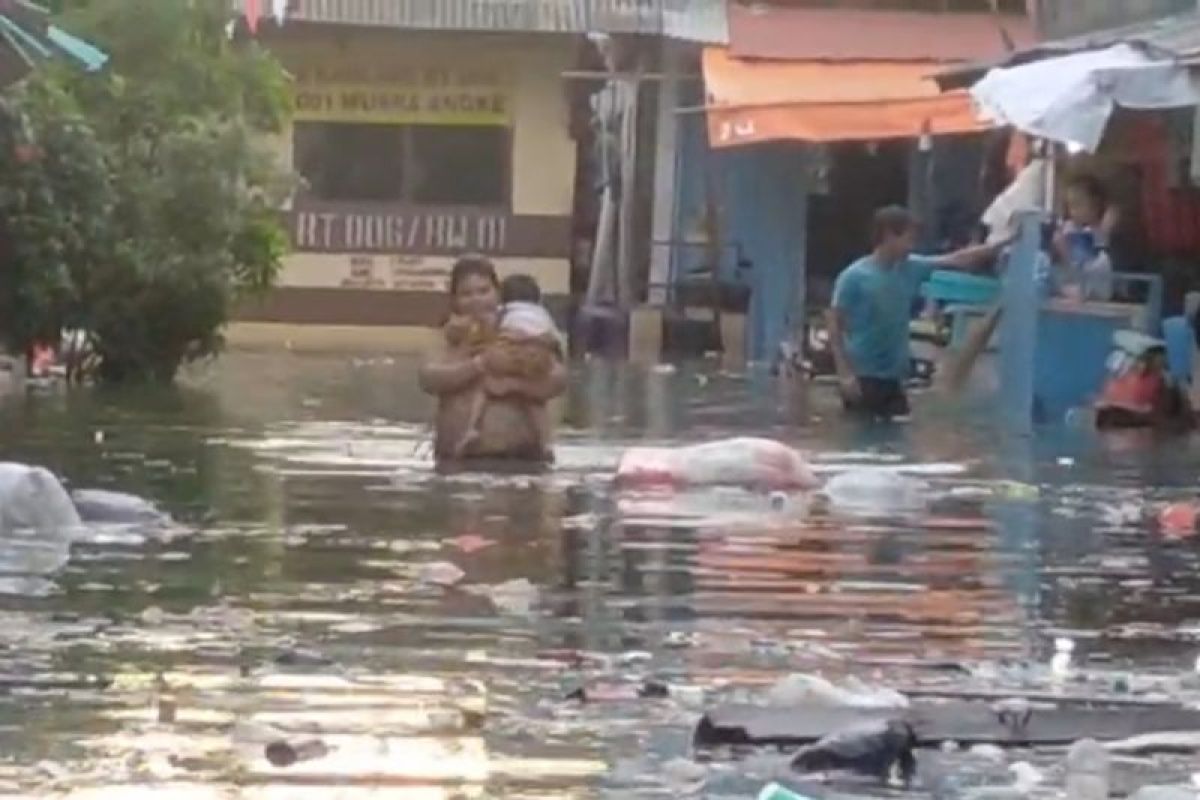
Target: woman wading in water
pixel 457 366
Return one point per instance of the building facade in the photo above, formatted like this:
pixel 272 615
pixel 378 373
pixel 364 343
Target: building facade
pixel 817 113
pixel 424 130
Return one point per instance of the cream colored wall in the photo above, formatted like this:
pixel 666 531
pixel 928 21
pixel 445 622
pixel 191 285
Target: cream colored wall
pixel 543 151
pixel 329 338
pixel 543 157
pixel 328 271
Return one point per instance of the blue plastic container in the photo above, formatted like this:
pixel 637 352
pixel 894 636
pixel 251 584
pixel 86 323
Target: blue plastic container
pixel 1177 331
pixel 949 286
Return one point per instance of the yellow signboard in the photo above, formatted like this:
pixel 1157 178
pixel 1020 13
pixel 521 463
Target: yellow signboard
pixel 365 89
pixel 400 105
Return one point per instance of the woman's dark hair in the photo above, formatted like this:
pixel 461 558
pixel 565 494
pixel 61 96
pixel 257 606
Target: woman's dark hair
pixel 472 265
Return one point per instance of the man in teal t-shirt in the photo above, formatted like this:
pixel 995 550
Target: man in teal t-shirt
pixel 872 302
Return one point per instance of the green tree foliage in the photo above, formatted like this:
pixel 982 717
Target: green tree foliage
pixel 151 205
pixel 55 205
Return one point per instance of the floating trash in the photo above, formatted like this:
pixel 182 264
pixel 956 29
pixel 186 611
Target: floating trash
pixel 1060 663
pixel 516 597
pixel 470 543
pixel 285 754
pixel 774 791
pixel 1179 520
pixel 811 690
pixel 1087 771
pixel 440 573
pixel 878 750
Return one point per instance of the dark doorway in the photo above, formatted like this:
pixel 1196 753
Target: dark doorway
pixel 861 178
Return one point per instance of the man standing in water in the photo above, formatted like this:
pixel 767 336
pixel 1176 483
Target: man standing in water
pixel 872 302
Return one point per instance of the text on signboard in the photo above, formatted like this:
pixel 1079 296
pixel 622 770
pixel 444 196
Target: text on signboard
pixel 417 232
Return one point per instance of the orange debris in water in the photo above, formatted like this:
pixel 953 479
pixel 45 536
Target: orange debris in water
pixel 1179 519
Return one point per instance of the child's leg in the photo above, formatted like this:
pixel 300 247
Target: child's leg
pixel 539 421
pixel 471 434
pixel 959 365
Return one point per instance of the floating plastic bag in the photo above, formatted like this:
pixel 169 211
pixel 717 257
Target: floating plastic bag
pixel 746 461
pixel 516 597
pixel 1164 793
pixel 38 521
pixel 814 691
pixel 877 489
pixel 1088 768
pixel 100 505
pixel 1179 520
pixel 440 573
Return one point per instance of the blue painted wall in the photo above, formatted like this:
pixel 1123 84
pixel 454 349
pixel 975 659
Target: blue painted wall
pixel 765 205
pixel 763 201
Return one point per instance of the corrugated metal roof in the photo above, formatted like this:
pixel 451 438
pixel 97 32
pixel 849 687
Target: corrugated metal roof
pixel 1061 18
pixel 1176 36
pixel 689 20
pixel 804 34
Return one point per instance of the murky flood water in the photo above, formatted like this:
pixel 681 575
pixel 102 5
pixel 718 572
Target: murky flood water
pixel 312 585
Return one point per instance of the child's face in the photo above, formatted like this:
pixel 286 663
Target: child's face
pixel 1082 207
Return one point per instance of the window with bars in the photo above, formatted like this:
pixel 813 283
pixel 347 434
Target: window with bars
pixel 436 165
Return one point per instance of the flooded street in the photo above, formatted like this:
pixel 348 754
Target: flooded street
pixel 312 585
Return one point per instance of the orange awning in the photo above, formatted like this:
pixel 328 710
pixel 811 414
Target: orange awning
pixel 828 101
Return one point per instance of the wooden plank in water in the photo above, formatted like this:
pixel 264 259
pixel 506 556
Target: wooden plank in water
pixel 935 723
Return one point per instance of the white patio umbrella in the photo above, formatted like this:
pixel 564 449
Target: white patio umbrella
pixel 1070 98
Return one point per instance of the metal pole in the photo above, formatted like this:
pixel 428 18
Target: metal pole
pixel 1019 327
pixel 630 93
pixel 666 166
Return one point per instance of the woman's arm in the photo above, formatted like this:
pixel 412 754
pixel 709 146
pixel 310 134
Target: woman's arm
pixel 447 373
pixel 542 390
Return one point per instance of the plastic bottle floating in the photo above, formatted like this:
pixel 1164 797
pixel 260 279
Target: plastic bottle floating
pixel 1060 664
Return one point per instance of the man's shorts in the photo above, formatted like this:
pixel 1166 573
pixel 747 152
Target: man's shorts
pixel 879 398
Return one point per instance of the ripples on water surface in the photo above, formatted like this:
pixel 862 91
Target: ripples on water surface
pixel 312 524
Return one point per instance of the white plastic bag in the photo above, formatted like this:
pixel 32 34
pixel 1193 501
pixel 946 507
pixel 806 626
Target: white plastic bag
pixel 814 691
pixel 745 461
pixel 38 521
pixel 101 505
pixel 879 489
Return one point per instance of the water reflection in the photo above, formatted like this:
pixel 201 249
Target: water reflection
pixel 312 517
